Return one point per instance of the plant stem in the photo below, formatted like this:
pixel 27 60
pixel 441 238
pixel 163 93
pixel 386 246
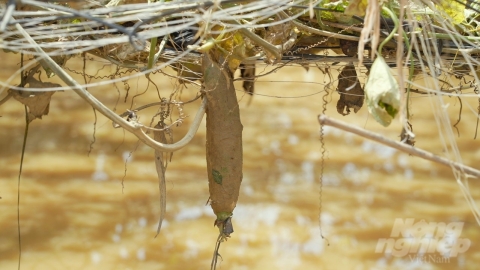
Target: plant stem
pixel 325 120
pixel 394 31
pixel 151 56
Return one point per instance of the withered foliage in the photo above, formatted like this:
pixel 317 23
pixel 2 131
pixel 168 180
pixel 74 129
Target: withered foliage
pixel 349 48
pixel 247 73
pixel 350 90
pixel 38 102
pixel 405 135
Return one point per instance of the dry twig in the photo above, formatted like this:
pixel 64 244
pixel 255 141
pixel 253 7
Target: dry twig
pixel 325 120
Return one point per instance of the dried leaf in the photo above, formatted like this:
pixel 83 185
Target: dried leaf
pixel 247 72
pixel 228 227
pixel 349 48
pixel 350 90
pixel 406 135
pixel 305 66
pixel 38 103
pixel 276 34
pixel 382 93
pixel 59 59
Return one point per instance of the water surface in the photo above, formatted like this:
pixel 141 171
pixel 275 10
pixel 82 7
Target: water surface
pixel 99 209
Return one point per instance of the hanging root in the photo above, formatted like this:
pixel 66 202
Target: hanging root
pixel 159 136
pixel 226 228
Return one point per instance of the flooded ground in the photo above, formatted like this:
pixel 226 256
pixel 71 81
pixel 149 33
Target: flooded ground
pixel 81 210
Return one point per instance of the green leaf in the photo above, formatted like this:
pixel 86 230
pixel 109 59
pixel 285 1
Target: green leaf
pixel 217 176
pixel 389 108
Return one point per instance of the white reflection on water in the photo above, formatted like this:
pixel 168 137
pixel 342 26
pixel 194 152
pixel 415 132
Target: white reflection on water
pixel 123 252
pixel 331 131
pixel 190 213
pixel 389 166
pixel 349 169
pixel 127 156
pixel 349 138
pixel 118 228
pixel 95 257
pixel 284 120
pixel 142 222
pixel 275 148
pixel 380 150
pixel 285 248
pixel 403 160
pixel 408 174
pixel 141 254
pixel 192 249
pixel 116 238
pixel 293 139
pixel 330 179
pixel 100 174
pixel 287 178
pixel 308 172
pixel 250 217
pixel 314 245
pixel 314 155
pixel 247 189
pixel 327 219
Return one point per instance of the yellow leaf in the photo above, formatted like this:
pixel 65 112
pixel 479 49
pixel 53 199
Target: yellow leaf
pixel 453 9
pixel 356 8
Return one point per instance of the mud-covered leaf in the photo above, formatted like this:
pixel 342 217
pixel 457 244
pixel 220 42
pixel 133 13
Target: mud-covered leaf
pixel 38 103
pixel 224 136
pixel 382 93
pixel 350 90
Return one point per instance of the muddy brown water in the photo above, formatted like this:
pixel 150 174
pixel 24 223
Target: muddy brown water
pixel 94 211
